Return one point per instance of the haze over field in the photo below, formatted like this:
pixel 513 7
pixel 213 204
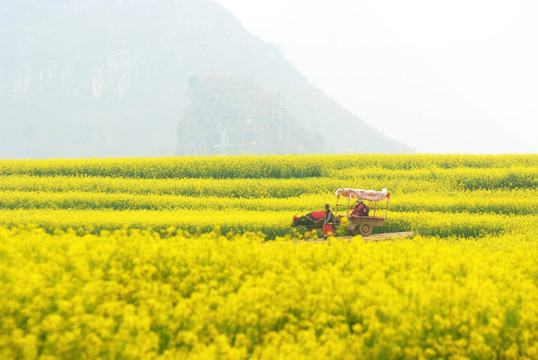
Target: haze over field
pixel 451 76
pixel 86 78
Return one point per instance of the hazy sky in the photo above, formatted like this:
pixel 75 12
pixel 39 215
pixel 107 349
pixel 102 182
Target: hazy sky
pixel 402 65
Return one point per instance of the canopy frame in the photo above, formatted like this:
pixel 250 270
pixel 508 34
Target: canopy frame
pixel 360 194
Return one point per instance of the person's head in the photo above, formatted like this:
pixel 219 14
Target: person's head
pixel 326 206
pixel 356 206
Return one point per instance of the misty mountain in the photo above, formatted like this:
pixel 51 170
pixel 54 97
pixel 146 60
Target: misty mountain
pixel 83 78
pixel 234 115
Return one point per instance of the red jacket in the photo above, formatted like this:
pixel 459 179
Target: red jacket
pixel 361 210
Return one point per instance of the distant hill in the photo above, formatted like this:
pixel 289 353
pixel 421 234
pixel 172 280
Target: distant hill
pixel 234 115
pixel 83 78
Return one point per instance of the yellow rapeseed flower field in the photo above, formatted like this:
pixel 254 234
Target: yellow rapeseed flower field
pixel 194 258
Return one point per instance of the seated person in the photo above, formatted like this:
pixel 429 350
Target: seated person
pixel 360 209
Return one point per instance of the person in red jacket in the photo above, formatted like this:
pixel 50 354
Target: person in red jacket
pixel 360 209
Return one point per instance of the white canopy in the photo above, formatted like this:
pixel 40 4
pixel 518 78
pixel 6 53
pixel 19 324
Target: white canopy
pixel 363 194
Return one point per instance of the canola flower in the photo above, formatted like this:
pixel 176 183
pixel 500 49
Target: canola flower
pixel 442 195
pixel 271 223
pixel 169 258
pixel 519 201
pixel 277 167
pixel 135 294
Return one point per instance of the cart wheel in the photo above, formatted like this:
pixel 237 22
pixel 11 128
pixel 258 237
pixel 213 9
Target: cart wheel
pixel 365 229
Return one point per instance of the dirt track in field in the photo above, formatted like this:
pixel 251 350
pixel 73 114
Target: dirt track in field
pixel 375 237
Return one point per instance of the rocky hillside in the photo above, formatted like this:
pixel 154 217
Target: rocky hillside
pixel 234 115
pixel 83 78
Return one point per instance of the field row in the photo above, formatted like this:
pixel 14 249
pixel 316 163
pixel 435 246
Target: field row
pixel 518 202
pixel 270 223
pixel 137 295
pixel 445 184
pixel 457 179
pixel 256 167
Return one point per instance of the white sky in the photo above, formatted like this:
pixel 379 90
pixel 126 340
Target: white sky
pixel 399 64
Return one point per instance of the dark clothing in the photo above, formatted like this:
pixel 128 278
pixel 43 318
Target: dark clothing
pixel 329 218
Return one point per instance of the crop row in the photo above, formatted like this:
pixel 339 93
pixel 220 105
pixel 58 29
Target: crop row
pixel 520 202
pixel 270 223
pixel 256 167
pixel 455 179
pixel 398 184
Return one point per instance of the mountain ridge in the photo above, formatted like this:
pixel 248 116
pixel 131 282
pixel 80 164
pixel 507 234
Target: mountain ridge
pixel 109 78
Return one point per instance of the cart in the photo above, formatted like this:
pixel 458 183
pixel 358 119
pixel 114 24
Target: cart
pixel 364 225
